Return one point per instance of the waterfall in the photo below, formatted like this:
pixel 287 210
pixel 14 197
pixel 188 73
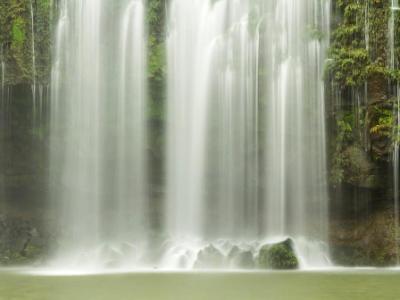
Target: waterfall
pixel 98 138
pixel 234 172
pixel 33 58
pixel 192 30
pixel 295 154
pixel 393 65
pixel 246 153
pixel 5 90
pixel 131 171
pixel 212 119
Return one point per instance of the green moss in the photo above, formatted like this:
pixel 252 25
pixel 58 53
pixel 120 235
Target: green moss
pixel 344 135
pixel 352 60
pixel 16 40
pixel 44 5
pixel 18 32
pixel 363 127
pixel 279 256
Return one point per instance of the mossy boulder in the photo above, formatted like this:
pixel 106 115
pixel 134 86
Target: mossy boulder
pixel 280 256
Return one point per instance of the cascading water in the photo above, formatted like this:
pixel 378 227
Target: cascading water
pixel 216 52
pixel 191 33
pixel 98 136
pixel 245 164
pixel 296 187
pixel 212 122
pixel 33 58
pixel 5 91
pixel 393 65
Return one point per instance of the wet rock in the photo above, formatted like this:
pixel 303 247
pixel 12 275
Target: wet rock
pixel 241 259
pixel 184 259
pixel 358 168
pixel 280 256
pixel 210 258
pixel 20 242
pixel 112 257
pixel 365 241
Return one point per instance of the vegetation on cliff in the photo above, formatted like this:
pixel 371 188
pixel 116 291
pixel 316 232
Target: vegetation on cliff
pixel 362 94
pixel 19 37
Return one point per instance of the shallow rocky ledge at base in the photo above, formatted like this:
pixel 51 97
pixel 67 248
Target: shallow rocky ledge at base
pixel 363 241
pixel 277 256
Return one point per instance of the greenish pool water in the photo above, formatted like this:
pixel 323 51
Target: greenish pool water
pixel 377 285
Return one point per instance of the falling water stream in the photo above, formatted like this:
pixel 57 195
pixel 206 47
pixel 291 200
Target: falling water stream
pixel 245 131
pixel 216 50
pixel 5 90
pixel 396 149
pixel 295 166
pixel 98 132
pixel 33 58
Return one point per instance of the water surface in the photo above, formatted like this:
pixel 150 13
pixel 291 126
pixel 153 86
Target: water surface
pixel 204 286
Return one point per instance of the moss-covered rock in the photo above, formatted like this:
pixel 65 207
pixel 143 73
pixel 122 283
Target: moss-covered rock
pixel 280 256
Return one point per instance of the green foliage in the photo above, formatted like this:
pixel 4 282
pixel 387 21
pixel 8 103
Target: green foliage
pixel 44 5
pixel 156 79
pixel 360 70
pixel 18 32
pixel 384 126
pixel 349 66
pixel 344 135
pixel 16 40
pixel 359 43
pixel 157 59
pixel 156 45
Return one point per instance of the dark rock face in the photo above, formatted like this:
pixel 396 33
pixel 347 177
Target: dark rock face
pixel 280 256
pixel 21 242
pixel 359 170
pixel 365 241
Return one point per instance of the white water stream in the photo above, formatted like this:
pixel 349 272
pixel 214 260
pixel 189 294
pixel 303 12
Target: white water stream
pixel 98 138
